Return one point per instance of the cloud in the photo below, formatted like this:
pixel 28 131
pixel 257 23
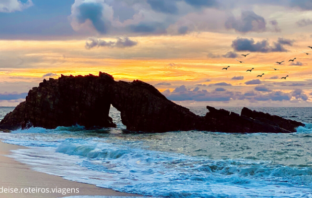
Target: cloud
pixel 94 11
pixel 253 82
pixel 296 63
pixel 151 27
pixel 14 5
pixel 249 22
pixel 49 75
pixel 183 94
pixel 183 30
pixel 165 6
pixel 220 89
pixel 302 4
pixel 163 84
pixel 284 41
pixel 12 96
pixel 227 55
pixel 211 55
pixel 120 43
pixel 243 44
pixel 304 22
pixel 274 77
pixel 262 89
pixel 203 3
pixel 221 84
pixel 230 55
pixel 293 84
pixel 274 96
pixel 299 94
pixel 274 23
pixel 238 78
pixel 172 66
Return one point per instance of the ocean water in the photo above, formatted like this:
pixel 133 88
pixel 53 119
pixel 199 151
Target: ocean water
pixel 175 164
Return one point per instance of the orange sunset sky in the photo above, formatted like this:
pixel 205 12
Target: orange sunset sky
pixel 179 46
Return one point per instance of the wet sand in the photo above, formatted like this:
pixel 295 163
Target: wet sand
pixel 17 175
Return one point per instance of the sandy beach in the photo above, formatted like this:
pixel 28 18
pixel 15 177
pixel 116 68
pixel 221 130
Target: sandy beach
pixel 17 175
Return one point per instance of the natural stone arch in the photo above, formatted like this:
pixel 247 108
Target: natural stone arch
pixel 86 100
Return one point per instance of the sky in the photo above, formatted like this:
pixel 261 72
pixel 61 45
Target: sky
pixel 179 46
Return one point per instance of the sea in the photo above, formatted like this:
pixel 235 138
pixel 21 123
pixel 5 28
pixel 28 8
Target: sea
pixel 178 163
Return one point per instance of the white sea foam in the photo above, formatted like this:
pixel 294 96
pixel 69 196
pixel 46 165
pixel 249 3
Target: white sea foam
pixel 305 129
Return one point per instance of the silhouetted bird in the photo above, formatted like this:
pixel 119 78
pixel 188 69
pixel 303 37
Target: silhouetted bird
pixel 306 53
pixel 280 62
pixel 226 68
pixel 310 47
pixel 250 70
pixel 274 68
pixel 285 77
pixel 239 61
pixel 292 60
pixel 245 55
pixel 260 75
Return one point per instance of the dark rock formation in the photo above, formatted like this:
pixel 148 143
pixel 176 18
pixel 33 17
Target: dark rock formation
pixel 249 122
pixel 289 125
pixel 86 100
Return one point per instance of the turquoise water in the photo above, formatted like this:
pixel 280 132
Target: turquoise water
pixel 176 164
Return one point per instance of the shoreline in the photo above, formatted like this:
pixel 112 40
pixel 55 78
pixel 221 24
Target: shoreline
pixel 18 175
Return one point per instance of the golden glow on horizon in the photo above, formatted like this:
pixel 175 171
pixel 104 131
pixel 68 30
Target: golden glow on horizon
pixel 155 59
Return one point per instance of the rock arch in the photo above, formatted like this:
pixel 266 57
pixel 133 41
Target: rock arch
pixel 86 100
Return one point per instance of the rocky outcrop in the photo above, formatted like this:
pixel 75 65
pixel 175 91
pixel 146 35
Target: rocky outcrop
pixel 15 119
pixel 286 124
pixel 86 100
pixel 249 122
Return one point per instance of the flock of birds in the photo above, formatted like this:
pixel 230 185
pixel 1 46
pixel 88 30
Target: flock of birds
pixel 279 63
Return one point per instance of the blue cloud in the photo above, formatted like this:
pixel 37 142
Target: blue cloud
pixel 183 30
pixel 220 89
pixel 120 43
pixel 238 78
pixel 296 64
pixel 221 84
pixel 243 44
pixel 262 89
pixel 182 94
pixel 143 28
pixel 303 4
pixel 49 75
pixel 202 3
pixel 93 12
pixel 253 82
pixel 249 22
pixel 163 84
pixel 165 6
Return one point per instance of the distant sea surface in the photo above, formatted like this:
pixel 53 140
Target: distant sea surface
pixel 175 164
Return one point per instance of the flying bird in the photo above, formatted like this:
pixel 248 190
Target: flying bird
pixel 250 70
pixel 239 61
pixel 226 68
pixel 260 75
pixel 285 77
pixel 306 53
pixel 274 68
pixel 245 55
pixel 292 60
pixel 280 62
pixel 310 47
